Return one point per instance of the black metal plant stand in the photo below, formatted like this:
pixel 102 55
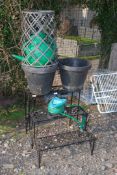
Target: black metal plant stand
pixel 34 119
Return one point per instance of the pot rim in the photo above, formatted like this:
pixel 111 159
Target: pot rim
pixel 38 11
pixel 40 70
pixel 73 68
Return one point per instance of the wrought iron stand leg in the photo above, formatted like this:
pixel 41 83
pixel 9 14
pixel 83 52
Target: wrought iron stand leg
pixel 92 145
pixel 34 131
pixel 26 114
pixel 26 124
pixel 27 111
pixel 78 102
pixel 39 154
pixel 34 102
pixel 32 136
pixel 32 145
pixel 25 100
pixel 29 106
pixel 86 121
pixel 71 101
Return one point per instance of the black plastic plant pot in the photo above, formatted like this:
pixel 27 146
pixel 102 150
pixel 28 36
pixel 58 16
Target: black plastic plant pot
pixel 73 72
pixel 40 79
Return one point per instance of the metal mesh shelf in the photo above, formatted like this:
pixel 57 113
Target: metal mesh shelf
pixel 105 91
pixel 63 139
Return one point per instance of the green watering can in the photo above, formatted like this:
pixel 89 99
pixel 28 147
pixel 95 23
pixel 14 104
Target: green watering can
pixel 44 52
pixel 57 106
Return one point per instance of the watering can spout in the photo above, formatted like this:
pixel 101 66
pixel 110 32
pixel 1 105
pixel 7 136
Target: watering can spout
pixel 18 57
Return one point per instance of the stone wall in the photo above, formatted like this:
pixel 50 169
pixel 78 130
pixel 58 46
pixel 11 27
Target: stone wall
pixel 89 32
pixel 81 25
pixel 89 50
pixel 113 58
pixel 67 47
pixel 70 48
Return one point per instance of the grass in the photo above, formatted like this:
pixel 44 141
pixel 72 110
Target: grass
pixel 5 129
pixel 15 114
pixel 91 57
pixel 82 40
pixel 84 57
pixel 8 121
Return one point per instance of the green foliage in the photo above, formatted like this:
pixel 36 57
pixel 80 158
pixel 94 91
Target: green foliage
pixel 10 33
pixel 106 15
pixel 44 5
pixel 82 40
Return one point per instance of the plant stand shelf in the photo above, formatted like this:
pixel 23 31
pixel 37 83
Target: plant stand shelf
pixel 62 140
pixel 34 119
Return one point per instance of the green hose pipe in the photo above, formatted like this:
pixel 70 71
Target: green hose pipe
pixel 81 124
pixel 76 105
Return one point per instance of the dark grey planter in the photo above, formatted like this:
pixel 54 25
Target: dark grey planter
pixel 40 79
pixel 73 72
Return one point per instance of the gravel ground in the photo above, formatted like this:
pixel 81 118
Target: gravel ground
pixel 17 157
